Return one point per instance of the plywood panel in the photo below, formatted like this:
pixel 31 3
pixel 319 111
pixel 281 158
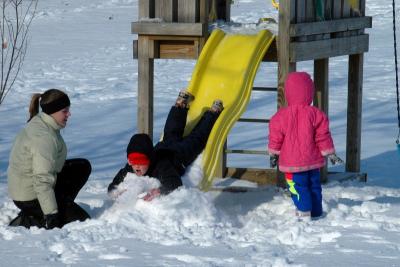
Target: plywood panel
pixel 178 49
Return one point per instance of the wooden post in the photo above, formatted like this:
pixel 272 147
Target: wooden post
pixel 286 16
pixel 145 86
pixel 321 96
pixel 354 109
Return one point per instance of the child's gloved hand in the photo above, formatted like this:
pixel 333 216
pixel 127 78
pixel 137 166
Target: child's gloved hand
pixel 273 160
pixel 153 193
pixel 335 159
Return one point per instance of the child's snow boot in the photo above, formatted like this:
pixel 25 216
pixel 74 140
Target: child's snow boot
pixel 184 98
pixel 217 106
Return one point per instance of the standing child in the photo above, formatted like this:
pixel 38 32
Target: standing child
pixel 299 135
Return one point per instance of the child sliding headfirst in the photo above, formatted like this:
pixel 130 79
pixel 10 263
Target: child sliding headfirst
pixel 168 160
pixel 299 138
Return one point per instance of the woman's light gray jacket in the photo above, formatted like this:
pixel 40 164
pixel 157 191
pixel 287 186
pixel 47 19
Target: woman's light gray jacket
pixel 38 154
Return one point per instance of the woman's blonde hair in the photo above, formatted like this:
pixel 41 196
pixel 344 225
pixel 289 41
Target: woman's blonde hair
pixel 44 98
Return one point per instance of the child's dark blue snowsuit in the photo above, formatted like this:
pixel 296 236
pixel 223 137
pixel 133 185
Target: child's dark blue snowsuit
pixel 170 157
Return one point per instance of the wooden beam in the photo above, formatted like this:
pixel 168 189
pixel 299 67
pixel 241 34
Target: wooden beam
pixel 354 110
pixel 286 16
pixel 331 26
pixel 268 176
pixel 145 86
pixel 173 29
pixel 321 77
pixel 172 38
pixel 253 120
pixel 265 89
pixel 347 176
pixel 246 151
pixel 321 95
pixel 300 51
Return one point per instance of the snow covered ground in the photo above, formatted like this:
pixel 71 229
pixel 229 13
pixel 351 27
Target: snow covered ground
pixel 84 47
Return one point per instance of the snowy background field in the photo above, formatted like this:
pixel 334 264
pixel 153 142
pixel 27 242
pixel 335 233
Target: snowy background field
pixel 84 47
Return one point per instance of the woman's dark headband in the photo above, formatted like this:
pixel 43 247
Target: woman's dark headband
pixel 55 105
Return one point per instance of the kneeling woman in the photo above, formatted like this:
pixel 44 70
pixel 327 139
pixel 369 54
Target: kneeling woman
pixel 41 182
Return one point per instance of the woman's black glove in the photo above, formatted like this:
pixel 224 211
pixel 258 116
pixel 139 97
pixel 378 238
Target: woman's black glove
pixel 51 221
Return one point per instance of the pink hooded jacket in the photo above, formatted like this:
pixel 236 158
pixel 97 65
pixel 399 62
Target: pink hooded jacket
pixel 299 133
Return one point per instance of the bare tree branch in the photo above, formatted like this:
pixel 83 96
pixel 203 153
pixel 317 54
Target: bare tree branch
pixel 17 16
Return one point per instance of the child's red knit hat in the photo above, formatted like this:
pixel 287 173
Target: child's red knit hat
pixel 137 158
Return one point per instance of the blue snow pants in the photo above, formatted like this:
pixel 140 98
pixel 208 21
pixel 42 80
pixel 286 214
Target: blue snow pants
pixel 306 191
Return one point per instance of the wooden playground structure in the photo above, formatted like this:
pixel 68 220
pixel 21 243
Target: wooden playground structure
pixel 308 30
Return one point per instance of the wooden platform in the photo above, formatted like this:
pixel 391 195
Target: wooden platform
pixel 269 176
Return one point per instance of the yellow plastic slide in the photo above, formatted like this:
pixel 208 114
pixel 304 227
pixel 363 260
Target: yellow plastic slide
pixel 225 70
